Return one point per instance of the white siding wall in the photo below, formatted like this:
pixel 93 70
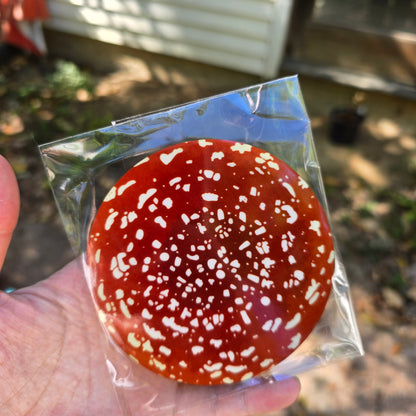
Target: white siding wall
pixel 246 35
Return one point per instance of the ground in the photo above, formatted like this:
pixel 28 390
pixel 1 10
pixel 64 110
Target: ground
pixel 370 186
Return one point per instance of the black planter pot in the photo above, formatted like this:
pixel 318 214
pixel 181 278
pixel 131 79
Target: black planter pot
pixel 344 124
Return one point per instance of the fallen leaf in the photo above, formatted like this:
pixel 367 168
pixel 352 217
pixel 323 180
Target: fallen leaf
pixel 12 124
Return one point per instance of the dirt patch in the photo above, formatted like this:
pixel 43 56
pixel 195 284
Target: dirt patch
pixel 370 189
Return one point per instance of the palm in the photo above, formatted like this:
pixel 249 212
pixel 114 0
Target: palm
pixel 53 356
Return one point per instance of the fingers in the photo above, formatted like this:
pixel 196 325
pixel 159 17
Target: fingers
pixel 258 399
pixel 263 397
pixel 9 206
pixel 272 396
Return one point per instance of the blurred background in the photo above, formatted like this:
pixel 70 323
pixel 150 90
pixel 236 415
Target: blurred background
pixel 89 62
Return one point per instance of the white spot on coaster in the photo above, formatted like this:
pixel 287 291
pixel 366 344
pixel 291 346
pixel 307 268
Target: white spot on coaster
pixel 213 367
pixel 202 229
pixel 165 350
pixel 197 349
pixel 110 220
pixel 159 220
pixel 276 324
pixel 253 278
pixel 124 309
pixel 247 352
pixel 145 160
pixel 241 148
pixel 144 197
pixel 111 195
pixel 122 188
pixel 194 323
pixel 265 363
pixel 266 156
pixel 146 314
pixel 168 203
pixel 174 181
pixel 235 263
pixel 217 155
pixel 294 321
pixel 156 244
pixel 260 230
pixel 290 189
pixel 147 346
pixel 100 292
pixel 295 342
pixel 133 341
pixel 265 301
pixel 153 333
pixel 235 369
pixel 293 216
pixel 245 317
pixel 315 226
pixel 164 256
pixel 204 143
pixel 139 234
pixel 216 342
pixel 268 262
pixel 208 173
pixel 158 364
pixel 299 274
pixel 244 245
pixel 166 158
pixel 238 301
pixel 152 208
pixel 170 323
pixel 311 290
pixel 273 165
pixel 302 183
pixel 220 274
pixel 209 196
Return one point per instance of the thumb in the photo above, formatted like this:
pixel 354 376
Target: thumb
pixel 9 206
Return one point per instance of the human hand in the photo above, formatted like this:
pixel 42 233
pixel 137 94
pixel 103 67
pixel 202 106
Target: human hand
pixel 53 360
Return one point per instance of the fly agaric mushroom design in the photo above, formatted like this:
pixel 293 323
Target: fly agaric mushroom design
pixel 210 261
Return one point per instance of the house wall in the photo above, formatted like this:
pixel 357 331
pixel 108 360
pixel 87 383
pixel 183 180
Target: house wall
pixel 244 35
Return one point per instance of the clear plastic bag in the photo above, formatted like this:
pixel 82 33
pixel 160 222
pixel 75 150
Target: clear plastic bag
pixel 271 116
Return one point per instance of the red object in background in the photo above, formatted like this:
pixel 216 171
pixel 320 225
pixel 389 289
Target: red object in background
pixel 21 24
pixel 211 261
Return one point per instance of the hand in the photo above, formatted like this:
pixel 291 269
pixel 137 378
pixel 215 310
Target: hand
pixel 53 353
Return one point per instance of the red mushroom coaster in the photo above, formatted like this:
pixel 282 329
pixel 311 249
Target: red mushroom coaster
pixel 211 261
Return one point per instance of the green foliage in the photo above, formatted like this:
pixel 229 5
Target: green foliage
pixel 402 223
pixel 27 90
pixel 67 79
